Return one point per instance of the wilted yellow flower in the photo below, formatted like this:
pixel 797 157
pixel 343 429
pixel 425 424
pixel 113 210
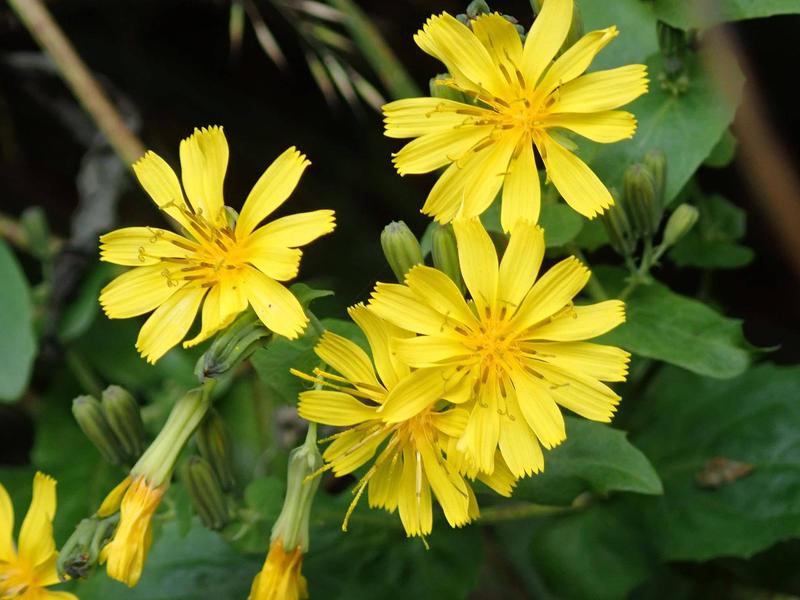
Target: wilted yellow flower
pixel 213 262
pixel 280 577
pixel 27 570
pixel 522 98
pixel 516 347
pixel 415 456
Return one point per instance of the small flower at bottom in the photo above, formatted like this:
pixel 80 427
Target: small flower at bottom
pixel 416 458
pixel 280 577
pixel 216 263
pixel 26 571
pixel 517 346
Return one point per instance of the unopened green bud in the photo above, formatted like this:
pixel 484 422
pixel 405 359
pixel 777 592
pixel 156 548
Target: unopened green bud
pixel 37 232
pixel 93 422
pixel 122 412
pixel 214 444
pixel 640 200
pixel 671 40
pixel 679 224
pixel 232 346
pixel 292 524
pixel 439 89
pixel 444 251
pixel 81 551
pixel 618 227
pixel 401 248
pixel 656 163
pixel 205 492
pixel 477 7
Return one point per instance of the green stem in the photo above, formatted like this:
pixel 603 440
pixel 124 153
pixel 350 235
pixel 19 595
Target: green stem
pixel 86 377
pixel 318 327
pixel 515 512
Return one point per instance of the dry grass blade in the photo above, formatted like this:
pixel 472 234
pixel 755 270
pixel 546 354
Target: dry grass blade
pixel 368 92
pixel 236 27
pixel 340 79
pixel 264 35
pixel 322 79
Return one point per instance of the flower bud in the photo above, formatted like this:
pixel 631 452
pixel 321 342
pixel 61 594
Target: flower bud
pixel 232 346
pixel 93 422
pixel 618 227
pixel 656 163
pixel 640 200
pixel 679 224
pixel 81 551
pixel 444 251
pixel 477 7
pixel 205 493
pixel 401 248
pixel 671 40
pixel 214 443
pixel 122 412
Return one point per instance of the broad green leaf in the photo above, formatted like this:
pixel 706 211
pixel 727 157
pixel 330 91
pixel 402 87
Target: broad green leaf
pixel 263 500
pixel 685 127
pixel 686 15
pixel 198 566
pixel 637 31
pixel 306 294
pixel 560 223
pixel 686 422
pixel 82 311
pixel 682 331
pixel 711 244
pixel 17 342
pixel 594 458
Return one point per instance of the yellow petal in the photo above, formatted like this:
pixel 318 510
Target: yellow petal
pixel 582 395
pixel 7 552
pixel 51 595
pixel 606 363
pixel 478 259
pixel 354 447
pixel 140 246
pixel 413 117
pixel 452 42
pixel 521 190
pixel 384 487
pixel 433 150
pixel 482 433
pixel 604 127
pixel 414 500
pixel 432 351
pixel 545 38
pixel 552 292
pixel 574 180
pixel 451 422
pixel 439 292
pixel 501 40
pixel 539 409
pixel 137 292
pixel 271 190
pixel 36 543
pixel 520 264
pixel 601 90
pixel 399 305
pixel 501 480
pixel 379 333
pixel 582 322
pixel 204 160
pixel 293 231
pixel 448 486
pixel 276 306
pixel 112 501
pixel 574 61
pixel 518 444
pixel 487 176
pixel 169 323
pixel 160 182
pixel 45 574
pixel 347 358
pixel 222 305
pixel 421 389
pixel 276 262
pixel 333 408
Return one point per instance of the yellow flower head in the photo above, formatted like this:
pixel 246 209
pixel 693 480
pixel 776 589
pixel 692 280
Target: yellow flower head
pixel 136 501
pixel 415 456
pixel 280 577
pixel 26 571
pixel 523 98
pixel 514 353
pixel 213 262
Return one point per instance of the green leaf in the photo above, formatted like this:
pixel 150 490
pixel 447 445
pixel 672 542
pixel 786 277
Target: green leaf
pixel 711 244
pixel 306 294
pixel 594 458
pixel 689 420
pixel 724 152
pixel 686 15
pixel 199 565
pixel 637 31
pixel 560 223
pixel 685 127
pixel 682 331
pixel 82 311
pixel 264 499
pixel 17 342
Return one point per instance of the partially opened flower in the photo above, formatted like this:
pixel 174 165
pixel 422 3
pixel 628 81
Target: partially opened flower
pixel 213 262
pixel 523 98
pixel 518 346
pixel 27 570
pixel 416 457
pixel 281 576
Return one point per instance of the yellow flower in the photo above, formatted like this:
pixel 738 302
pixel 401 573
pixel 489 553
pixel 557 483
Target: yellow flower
pixel 280 577
pixel 517 346
pixel 213 263
pixel 27 571
pixel 522 99
pixel 136 500
pixel 417 455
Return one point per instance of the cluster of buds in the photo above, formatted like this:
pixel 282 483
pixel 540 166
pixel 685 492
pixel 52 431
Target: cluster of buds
pixel 403 251
pixel 675 45
pixel 232 346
